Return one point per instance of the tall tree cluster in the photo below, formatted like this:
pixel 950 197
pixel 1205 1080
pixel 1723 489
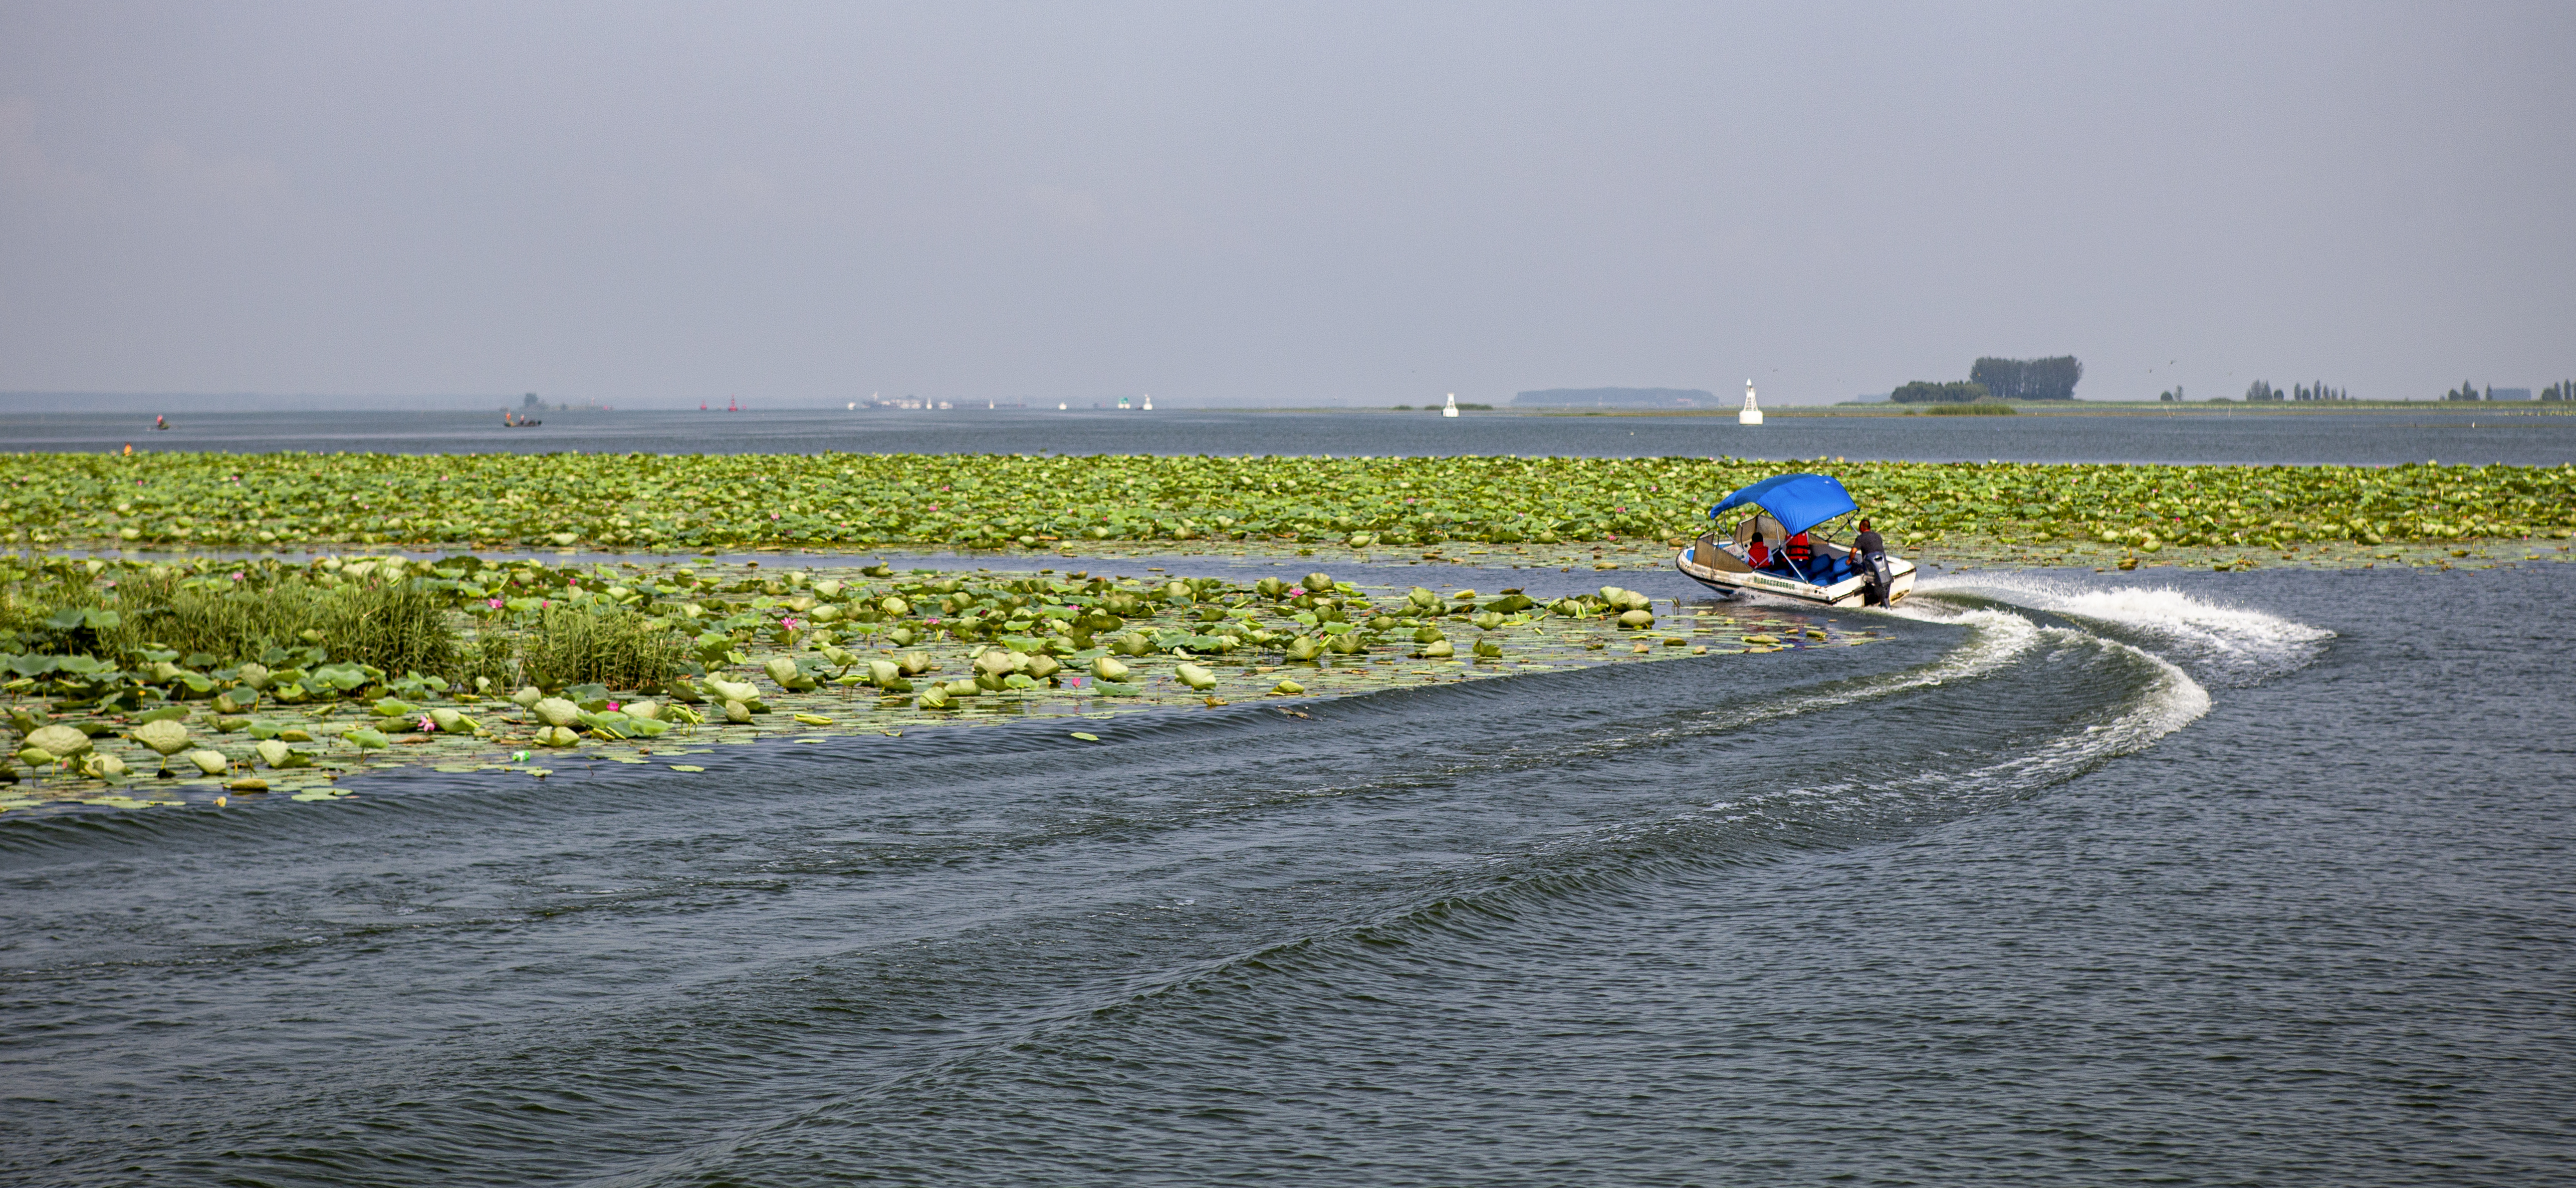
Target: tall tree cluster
pixel 2052 378
pixel 2466 391
pixel 2562 390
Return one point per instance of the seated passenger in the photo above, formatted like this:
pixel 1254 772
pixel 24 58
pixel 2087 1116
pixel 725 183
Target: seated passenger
pixel 1800 551
pixel 1757 554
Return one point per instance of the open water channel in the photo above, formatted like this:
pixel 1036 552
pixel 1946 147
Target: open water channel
pixel 2162 877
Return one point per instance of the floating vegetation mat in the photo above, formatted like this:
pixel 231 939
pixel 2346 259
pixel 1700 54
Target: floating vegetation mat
pixel 912 501
pixel 135 684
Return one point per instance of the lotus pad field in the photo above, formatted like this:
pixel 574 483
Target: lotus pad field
pixel 826 501
pixel 526 666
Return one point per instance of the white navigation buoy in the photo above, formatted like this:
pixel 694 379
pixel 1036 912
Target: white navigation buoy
pixel 1059 406
pixel 1751 415
pixel 854 406
pixel 1450 409
pixel 1149 402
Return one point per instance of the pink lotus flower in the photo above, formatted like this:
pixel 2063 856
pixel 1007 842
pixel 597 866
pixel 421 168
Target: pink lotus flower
pixel 495 603
pixel 1296 591
pixel 612 707
pixel 427 724
pixel 790 624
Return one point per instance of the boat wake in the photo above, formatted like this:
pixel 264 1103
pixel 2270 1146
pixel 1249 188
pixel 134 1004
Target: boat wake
pixel 2226 644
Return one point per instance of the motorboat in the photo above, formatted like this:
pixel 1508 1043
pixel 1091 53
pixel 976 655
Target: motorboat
pixel 1776 509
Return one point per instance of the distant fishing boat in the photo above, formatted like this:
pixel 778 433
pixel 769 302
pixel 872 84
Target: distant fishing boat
pixel 160 422
pixel 511 420
pixel 1782 507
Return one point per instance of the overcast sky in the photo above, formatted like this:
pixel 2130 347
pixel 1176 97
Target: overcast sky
pixel 1293 204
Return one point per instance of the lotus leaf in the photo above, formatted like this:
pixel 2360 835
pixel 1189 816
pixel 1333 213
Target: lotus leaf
pixel 1085 736
pixel 37 756
pixel 1304 647
pixel 1438 650
pixel 253 674
pixel 737 712
pixel 558 736
pixel 389 707
pixel 527 698
pixel 1488 648
pixel 167 713
pixel 733 690
pixel 210 762
pixel 644 709
pixel 165 737
pixel 58 742
pixel 295 734
pixel 247 784
pixel 914 663
pixel 1287 688
pixel 1043 667
pixel 230 723
pixel 1019 680
pixel 1196 677
pixel 555 711
pixel 934 697
pixel 367 740
pixel 1108 668
pixel 102 766
pixel 1636 619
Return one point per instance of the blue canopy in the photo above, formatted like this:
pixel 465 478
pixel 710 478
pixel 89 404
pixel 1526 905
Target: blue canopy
pixel 1798 501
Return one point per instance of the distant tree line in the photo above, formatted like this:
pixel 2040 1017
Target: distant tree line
pixel 2466 391
pixel 2261 391
pixel 2053 378
pixel 2562 390
pixel 1928 392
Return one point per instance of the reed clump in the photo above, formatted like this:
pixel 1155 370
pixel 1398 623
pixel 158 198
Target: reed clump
pixel 573 645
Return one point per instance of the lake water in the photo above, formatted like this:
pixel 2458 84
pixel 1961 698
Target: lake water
pixel 2180 878
pixel 2175 878
pixel 2374 439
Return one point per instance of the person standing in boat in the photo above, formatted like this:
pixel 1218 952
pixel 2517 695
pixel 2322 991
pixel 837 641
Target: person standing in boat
pixel 1871 550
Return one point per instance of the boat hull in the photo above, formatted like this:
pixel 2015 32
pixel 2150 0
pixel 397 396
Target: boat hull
pixel 1851 591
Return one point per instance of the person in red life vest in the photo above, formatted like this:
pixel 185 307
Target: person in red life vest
pixel 1757 554
pixel 1799 550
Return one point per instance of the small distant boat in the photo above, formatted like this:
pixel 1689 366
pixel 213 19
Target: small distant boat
pixel 511 420
pixel 160 422
pixel 1781 507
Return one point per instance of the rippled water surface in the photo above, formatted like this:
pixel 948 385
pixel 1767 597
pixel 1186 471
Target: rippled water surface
pixel 2249 879
pixel 2522 437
